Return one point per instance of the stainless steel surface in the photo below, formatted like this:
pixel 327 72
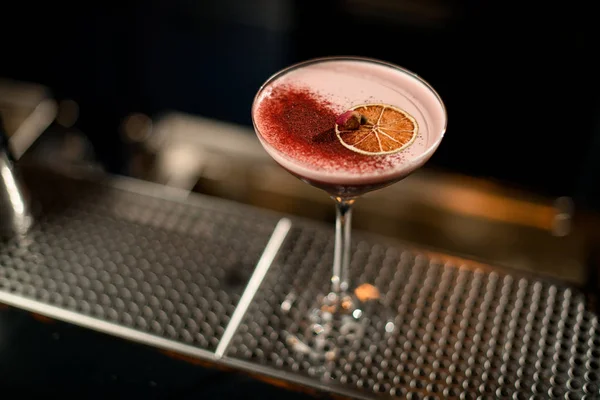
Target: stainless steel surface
pixel 15 213
pixel 26 110
pixel 269 254
pixel 161 267
pixel 464 330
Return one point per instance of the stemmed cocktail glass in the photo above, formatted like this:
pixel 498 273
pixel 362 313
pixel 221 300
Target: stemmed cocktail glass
pixel 347 125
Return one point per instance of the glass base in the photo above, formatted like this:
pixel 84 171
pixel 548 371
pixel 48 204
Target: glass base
pixel 336 322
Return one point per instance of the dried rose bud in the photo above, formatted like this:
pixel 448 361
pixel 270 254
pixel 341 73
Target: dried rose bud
pixel 350 120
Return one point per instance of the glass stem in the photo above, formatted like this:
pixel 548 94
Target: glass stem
pixel 341 254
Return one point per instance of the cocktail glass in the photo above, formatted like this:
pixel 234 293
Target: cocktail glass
pixel 343 83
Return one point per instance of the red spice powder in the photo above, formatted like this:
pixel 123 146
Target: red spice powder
pixel 300 124
pixel 296 112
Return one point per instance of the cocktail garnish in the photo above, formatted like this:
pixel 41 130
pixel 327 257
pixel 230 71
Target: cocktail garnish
pixel 376 129
pixel 350 120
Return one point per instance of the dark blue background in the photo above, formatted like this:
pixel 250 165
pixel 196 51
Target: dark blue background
pixel 519 79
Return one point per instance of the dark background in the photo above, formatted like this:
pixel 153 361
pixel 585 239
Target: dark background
pixel 519 79
pixel 41 358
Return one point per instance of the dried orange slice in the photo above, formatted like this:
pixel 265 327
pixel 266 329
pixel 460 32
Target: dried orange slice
pixel 384 129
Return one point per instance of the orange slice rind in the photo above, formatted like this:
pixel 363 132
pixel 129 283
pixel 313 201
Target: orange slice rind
pixel 387 130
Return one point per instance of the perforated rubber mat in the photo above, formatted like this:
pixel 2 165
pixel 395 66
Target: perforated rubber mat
pixel 161 267
pixel 180 273
pixel 463 331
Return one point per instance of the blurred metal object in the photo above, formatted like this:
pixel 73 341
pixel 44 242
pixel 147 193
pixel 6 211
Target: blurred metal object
pixel 563 218
pixel 178 271
pixel 27 110
pixel 67 113
pixel 187 148
pixel 136 128
pixel 15 216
